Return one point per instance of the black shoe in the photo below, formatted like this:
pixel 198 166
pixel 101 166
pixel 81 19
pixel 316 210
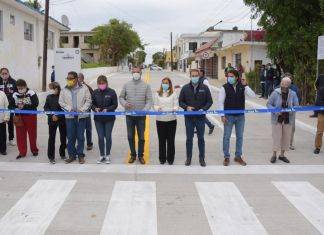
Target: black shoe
pixel 52 161
pixel 273 159
pixel 226 161
pixel 211 130
pixel 284 159
pixel 317 151
pixel 132 160
pixel 89 147
pixel 4 153
pixel 35 154
pixel 188 162
pixel 162 163
pixel 202 162
pixel 170 163
pixel 19 156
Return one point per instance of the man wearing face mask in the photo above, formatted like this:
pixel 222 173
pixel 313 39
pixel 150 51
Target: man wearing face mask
pixel 136 95
pixel 75 97
pixel 195 96
pixel 232 97
pixel 8 86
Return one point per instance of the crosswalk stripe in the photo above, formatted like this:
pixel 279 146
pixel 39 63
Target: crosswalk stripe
pixel 307 199
pixel 226 210
pixel 33 213
pixel 132 209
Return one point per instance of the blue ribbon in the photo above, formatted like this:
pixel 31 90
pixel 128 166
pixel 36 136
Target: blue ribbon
pixel 158 113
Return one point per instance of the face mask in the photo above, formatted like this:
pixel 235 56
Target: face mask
pixel 231 80
pixel 165 87
pixel 195 80
pixel 136 76
pixel 102 87
pixel 22 91
pixel 52 92
pixel 70 83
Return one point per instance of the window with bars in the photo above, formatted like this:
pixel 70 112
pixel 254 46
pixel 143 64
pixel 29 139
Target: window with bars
pixel 28 31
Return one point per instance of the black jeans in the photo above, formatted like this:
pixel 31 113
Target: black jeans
pixel 11 130
pixel 3 138
pixel 193 123
pixel 263 89
pixel 137 122
pixel 166 133
pixel 51 140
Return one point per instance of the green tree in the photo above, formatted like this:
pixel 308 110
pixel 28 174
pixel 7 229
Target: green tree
pixel 292 27
pixel 159 59
pixel 116 40
pixel 34 4
pixel 140 57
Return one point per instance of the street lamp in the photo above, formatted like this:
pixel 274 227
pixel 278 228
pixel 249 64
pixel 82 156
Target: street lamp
pixel 211 28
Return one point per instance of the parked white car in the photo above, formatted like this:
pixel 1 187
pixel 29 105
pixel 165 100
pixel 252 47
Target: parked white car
pixel 155 67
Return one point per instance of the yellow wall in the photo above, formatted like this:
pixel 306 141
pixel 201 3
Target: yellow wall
pixel 229 53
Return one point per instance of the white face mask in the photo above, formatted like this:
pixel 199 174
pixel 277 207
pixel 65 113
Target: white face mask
pixel 136 76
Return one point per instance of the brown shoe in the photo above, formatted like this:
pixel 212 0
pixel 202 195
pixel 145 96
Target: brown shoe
pixel 69 160
pixel 141 160
pixel 240 161
pixel 132 160
pixel 226 162
pixel 81 160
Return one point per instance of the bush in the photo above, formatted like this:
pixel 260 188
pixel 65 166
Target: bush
pixel 253 79
pixel 92 65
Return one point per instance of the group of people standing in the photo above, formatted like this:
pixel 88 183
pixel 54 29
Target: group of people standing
pixel 136 95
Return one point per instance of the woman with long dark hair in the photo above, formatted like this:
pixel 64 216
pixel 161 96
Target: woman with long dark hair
pixel 166 100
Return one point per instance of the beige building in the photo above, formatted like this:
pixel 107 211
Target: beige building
pixel 74 39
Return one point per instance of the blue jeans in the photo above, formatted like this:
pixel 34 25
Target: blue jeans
pixel 89 131
pixel 75 132
pixel 104 130
pixel 193 123
pixel 238 121
pixel 137 122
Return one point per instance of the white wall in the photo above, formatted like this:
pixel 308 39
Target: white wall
pixel 260 53
pixel 19 55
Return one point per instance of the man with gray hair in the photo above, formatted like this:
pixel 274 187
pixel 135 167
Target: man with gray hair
pixel 136 95
pixel 88 119
pixel 282 98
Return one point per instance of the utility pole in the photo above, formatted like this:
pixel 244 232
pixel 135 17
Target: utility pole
pixel 45 45
pixel 171 54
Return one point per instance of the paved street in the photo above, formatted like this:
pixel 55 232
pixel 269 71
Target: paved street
pixel 38 198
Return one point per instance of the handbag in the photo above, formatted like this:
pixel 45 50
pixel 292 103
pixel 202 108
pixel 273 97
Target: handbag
pixel 17 120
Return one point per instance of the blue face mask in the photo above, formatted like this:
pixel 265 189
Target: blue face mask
pixel 194 80
pixel 165 87
pixel 231 80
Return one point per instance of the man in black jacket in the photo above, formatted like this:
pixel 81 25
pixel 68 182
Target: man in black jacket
pixel 8 86
pixel 195 96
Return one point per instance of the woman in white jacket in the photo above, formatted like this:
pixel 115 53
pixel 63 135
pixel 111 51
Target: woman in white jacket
pixel 166 100
pixel 4 118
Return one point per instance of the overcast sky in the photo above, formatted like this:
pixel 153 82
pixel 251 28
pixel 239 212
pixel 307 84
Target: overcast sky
pixel 155 19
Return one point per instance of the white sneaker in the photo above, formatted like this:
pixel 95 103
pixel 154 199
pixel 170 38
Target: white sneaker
pixel 12 143
pixel 108 161
pixel 101 160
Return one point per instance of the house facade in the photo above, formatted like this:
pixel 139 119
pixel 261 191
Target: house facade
pixel 244 48
pixel 21 41
pixel 82 40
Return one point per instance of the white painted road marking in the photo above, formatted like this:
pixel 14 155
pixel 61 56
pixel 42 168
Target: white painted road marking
pixel 132 209
pixel 34 212
pixel 226 210
pixel 307 199
pixel 158 169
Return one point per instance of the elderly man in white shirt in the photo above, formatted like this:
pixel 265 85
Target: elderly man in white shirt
pixel 232 97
